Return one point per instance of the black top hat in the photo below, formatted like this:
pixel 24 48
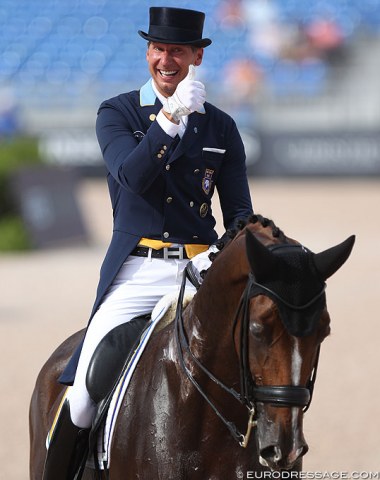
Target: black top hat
pixel 177 26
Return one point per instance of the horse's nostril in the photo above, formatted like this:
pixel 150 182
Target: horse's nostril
pixel 273 457
pixel 271 454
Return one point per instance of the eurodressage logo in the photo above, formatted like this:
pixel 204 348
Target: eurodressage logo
pixel 304 475
pixel 207 181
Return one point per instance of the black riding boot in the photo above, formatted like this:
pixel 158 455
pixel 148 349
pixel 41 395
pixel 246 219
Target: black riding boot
pixel 68 447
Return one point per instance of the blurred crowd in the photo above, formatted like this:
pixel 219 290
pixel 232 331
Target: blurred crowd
pixel 282 55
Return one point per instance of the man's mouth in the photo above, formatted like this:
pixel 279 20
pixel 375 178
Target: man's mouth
pixel 168 73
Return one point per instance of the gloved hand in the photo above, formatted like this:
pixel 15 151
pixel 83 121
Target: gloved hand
pixel 200 263
pixel 189 97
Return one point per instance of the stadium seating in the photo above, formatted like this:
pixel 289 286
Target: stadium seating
pixel 55 51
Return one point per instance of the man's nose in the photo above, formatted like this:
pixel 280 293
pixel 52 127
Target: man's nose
pixel 166 58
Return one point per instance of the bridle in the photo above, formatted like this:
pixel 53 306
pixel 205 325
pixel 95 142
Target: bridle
pixel 250 393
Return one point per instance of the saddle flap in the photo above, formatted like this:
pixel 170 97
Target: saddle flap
pixel 111 355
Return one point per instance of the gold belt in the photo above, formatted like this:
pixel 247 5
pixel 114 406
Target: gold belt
pixel 191 248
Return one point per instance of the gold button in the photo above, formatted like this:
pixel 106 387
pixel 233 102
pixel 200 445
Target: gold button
pixel 169 199
pixel 162 151
pixel 159 155
pixel 203 210
pixel 152 117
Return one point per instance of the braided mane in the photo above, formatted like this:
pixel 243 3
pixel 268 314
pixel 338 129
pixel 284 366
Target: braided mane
pixel 263 221
pixel 240 225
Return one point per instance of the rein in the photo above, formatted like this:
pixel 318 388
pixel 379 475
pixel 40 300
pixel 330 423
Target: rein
pixel 278 396
pixel 183 344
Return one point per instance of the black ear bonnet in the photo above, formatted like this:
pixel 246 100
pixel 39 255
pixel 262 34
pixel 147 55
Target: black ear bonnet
pixel 295 287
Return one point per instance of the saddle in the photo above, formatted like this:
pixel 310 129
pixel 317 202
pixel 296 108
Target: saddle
pixel 111 356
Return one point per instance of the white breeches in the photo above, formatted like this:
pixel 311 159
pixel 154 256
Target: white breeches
pixel 139 285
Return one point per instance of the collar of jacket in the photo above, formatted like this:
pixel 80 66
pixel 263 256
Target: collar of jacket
pixel 147 95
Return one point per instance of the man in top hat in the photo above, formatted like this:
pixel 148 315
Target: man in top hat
pixel 166 149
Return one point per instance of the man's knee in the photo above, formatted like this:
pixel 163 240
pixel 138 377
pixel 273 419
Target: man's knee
pixel 82 408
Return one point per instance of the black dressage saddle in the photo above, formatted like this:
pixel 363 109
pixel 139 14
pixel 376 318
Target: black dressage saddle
pixel 112 355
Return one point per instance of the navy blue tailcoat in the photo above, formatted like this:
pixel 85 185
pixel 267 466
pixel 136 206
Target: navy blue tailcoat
pixel 161 187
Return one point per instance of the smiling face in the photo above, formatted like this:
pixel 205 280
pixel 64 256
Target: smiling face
pixel 169 64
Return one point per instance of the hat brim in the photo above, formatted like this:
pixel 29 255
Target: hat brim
pixel 201 43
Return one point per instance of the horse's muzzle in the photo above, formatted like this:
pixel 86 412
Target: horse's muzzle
pixel 275 458
pixel 281 443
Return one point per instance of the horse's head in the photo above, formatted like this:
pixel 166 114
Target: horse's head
pixel 282 323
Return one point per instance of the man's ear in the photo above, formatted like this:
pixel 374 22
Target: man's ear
pixel 199 57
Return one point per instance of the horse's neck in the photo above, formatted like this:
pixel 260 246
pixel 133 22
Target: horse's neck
pixel 210 318
pixel 210 337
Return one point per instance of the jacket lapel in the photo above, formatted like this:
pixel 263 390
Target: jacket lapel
pixel 150 112
pixel 192 134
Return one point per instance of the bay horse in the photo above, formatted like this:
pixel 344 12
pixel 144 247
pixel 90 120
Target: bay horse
pixel 220 392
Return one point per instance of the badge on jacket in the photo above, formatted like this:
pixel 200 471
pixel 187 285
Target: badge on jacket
pixel 139 135
pixel 207 181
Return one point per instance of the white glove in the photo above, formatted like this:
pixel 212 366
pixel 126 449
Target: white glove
pixel 190 95
pixel 199 263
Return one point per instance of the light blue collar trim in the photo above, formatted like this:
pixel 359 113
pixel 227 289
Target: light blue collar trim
pixel 147 95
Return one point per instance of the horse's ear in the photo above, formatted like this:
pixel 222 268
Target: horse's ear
pixel 330 260
pixel 261 260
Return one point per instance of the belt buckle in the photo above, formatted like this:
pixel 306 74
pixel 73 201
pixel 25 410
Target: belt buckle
pixel 176 252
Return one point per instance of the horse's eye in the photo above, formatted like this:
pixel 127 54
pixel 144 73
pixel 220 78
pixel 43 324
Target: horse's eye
pixel 256 329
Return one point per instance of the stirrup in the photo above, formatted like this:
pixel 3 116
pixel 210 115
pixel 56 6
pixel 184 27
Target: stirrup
pixel 68 449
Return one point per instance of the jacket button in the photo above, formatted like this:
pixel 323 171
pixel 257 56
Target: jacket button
pixel 166 234
pixel 195 237
pixel 159 155
pixel 167 167
pixel 196 171
pixel 162 151
pixel 169 199
pixel 191 204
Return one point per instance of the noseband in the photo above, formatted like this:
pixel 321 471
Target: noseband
pixel 250 393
